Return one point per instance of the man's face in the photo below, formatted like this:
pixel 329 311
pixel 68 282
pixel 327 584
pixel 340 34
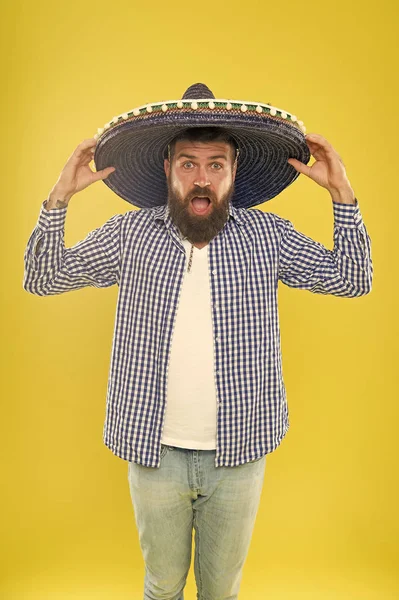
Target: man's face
pixel 200 181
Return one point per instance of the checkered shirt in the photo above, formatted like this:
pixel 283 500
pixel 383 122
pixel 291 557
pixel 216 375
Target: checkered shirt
pixel 141 252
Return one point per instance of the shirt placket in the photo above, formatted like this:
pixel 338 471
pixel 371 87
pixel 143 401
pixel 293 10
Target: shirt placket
pixel 177 241
pixel 216 326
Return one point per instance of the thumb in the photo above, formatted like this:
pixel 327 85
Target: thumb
pixel 103 174
pixel 298 166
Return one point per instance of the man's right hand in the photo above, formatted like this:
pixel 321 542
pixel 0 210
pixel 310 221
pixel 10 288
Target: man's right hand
pixel 76 175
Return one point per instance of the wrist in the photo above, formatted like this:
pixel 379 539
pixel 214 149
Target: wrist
pixel 57 199
pixel 343 196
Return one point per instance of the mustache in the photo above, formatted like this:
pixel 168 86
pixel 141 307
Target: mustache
pixel 199 192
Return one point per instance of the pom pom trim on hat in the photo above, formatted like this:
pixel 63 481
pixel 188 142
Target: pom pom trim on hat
pixel 267 110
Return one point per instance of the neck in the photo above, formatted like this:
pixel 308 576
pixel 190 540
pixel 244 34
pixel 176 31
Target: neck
pixel 199 244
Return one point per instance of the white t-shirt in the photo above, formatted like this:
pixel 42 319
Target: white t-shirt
pixel 191 408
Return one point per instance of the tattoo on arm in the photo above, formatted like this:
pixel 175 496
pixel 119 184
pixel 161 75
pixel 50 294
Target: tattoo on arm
pixel 58 204
pixel 61 204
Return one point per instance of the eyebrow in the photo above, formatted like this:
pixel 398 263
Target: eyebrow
pixel 192 157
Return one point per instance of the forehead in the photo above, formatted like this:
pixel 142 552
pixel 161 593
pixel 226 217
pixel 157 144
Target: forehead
pixel 203 149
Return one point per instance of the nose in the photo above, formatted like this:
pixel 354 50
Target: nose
pixel 202 179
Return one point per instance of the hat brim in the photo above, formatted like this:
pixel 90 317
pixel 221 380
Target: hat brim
pixel 136 148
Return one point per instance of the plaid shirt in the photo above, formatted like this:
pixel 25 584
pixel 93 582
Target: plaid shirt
pixel 141 252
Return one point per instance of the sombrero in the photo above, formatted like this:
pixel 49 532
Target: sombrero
pixel 136 142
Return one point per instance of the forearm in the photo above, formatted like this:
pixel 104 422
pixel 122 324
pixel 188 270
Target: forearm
pixel 57 199
pixel 343 195
pixel 352 251
pixel 50 268
pixel 344 271
pixel 44 251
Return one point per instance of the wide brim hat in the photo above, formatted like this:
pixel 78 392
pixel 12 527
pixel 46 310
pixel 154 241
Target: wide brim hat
pixel 136 143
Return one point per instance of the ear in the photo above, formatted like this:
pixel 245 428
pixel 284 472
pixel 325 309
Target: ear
pixel 166 166
pixel 234 170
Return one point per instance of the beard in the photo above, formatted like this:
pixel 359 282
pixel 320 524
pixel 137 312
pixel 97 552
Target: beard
pixel 197 228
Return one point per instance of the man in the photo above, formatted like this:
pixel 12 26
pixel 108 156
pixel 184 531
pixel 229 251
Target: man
pixel 196 397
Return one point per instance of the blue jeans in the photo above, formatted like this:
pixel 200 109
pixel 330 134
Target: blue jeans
pixel 187 491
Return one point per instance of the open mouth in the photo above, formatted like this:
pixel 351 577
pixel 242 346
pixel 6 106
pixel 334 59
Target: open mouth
pixel 200 206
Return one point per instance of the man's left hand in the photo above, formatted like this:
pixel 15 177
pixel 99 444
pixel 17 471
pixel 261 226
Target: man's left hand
pixel 328 170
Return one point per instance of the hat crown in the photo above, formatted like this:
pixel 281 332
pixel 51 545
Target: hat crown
pixel 197 90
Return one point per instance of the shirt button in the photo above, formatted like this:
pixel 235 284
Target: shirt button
pixel 217 339
pixel 214 272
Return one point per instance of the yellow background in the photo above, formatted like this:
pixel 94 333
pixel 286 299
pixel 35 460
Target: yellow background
pixel 327 525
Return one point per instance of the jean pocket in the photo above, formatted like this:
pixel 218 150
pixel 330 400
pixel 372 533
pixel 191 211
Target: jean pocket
pixel 164 450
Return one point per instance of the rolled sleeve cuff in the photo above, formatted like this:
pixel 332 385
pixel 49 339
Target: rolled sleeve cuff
pixel 347 215
pixel 51 220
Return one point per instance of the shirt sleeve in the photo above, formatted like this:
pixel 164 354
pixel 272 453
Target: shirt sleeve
pixel 346 270
pixel 50 268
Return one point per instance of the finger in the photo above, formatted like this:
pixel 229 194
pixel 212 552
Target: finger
pixel 103 174
pixel 299 166
pixel 88 143
pixel 84 147
pixel 319 153
pixel 315 141
pixel 84 160
pixel 327 154
pixel 316 137
pixel 86 157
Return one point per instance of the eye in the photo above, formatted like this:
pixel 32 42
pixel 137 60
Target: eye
pixel 218 165
pixel 188 162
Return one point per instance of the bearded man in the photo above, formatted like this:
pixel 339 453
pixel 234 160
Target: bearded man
pixel 196 398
